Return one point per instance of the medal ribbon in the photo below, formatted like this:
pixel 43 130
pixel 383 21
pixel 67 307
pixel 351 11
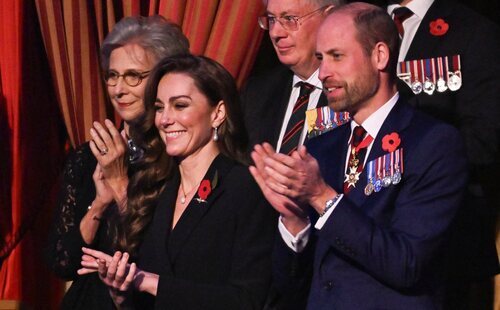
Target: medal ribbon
pixel 456 63
pixel 440 67
pixel 371 171
pixel 446 67
pixel 387 161
pixel 392 163
pixel 319 120
pixel 433 69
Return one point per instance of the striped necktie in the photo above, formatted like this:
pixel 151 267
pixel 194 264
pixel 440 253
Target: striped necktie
pixel 295 125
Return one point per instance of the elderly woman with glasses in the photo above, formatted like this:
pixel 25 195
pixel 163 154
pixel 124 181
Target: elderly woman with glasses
pixel 97 173
pixel 208 231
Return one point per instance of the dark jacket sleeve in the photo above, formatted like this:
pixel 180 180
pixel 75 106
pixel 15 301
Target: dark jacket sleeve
pixel 292 274
pixel 77 191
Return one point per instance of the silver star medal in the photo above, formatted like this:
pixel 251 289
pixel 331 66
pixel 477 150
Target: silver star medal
pixel 352 177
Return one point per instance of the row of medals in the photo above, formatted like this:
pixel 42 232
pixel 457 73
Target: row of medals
pixel 381 182
pixel 385 180
pixel 452 80
pixel 374 185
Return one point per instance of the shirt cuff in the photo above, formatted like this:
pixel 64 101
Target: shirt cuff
pixel 322 220
pixel 296 243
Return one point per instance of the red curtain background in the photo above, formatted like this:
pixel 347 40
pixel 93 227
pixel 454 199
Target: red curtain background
pixel 31 153
pixel 51 91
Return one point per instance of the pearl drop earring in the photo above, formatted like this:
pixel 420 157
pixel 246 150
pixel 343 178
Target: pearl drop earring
pixel 216 135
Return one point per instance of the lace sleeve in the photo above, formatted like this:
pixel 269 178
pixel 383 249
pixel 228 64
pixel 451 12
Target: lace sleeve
pixel 76 193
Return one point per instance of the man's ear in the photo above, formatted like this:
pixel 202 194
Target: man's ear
pixel 219 114
pixel 381 56
pixel 328 9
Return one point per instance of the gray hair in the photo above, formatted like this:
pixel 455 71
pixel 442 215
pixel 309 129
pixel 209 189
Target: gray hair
pixel 157 36
pixel 320 3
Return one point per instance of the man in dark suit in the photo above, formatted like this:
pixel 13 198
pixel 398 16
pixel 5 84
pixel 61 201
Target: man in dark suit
pixel 442 28
pixel 269 100
pixel 384 213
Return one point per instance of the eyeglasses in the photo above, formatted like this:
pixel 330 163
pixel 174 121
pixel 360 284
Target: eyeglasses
pixel 289 22
pixel 131 77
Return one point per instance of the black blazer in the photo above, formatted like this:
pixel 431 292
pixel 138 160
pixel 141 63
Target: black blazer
pixel 475 110
pixel 264 101
pixel 219 254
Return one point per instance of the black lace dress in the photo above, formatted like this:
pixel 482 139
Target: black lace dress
pixel 65 240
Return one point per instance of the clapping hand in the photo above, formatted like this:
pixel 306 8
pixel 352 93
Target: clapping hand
pixel 110 148
pixel 114 271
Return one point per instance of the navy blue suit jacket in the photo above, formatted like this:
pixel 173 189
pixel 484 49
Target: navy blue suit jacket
pixel 383 251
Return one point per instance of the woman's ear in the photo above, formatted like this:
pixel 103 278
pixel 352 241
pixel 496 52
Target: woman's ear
pixel 219 114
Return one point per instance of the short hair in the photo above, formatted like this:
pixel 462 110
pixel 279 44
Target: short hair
pixel 157 36
pixel 320 3
pixel 373 25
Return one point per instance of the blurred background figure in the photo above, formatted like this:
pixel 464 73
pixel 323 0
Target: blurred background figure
pixel 275 101
pixel 449 65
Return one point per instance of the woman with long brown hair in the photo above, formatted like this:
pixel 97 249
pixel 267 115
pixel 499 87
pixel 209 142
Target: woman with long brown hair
pixel 208 241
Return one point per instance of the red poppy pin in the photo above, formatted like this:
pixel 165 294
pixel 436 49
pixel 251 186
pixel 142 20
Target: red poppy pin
pixel 206 188
pixel 439 27
pixel 391 142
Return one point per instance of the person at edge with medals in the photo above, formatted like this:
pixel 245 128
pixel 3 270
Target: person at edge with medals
pixel 208 229
pixel 449 68
pixel 128 54
pixel 367 207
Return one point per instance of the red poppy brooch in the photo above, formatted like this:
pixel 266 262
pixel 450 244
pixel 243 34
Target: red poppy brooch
pixel 206 188
pixel 439 27
pixel 390 142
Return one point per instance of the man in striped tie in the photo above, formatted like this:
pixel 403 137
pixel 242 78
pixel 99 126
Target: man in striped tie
pixel 274 103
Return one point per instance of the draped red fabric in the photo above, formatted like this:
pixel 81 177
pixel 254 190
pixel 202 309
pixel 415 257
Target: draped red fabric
pixel 30 157
pixel 225 30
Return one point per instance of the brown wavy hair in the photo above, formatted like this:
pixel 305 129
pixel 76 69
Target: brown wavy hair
pixel 156 167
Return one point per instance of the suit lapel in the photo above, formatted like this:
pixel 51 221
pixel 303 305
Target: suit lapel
pixel 424 43
pixel 322 102
pixel 152 257
pixel 196 210
pixel 282 93
pixel 342 143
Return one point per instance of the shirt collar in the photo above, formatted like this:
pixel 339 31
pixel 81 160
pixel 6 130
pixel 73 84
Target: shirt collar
pixel 418 7
pixel 313 80
pixel 374 122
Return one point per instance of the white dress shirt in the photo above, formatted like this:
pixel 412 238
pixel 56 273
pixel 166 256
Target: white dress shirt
pixel 313 102
pixel 372 126
pixel 411 24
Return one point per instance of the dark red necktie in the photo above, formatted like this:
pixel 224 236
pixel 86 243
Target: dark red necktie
pixel 296 123
pixel 400 15
pixel 359 144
